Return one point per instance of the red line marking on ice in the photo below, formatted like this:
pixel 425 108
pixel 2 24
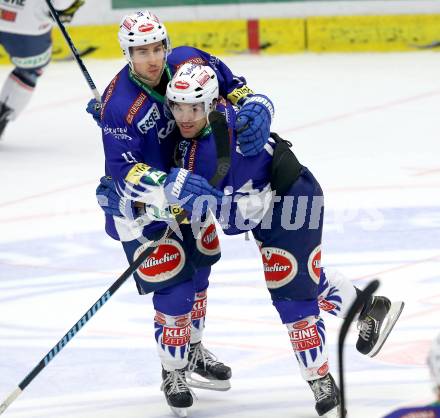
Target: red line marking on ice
pixel 62 269
pixel 58 104
pixel 427 172
pixel 58 190
pixel 387 187
pixel 361 111
pixel 400 267
pixel 48 215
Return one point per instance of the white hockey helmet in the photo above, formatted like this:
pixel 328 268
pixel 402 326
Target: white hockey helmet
pixel 434 362
pixel 142 28
pixel 193 84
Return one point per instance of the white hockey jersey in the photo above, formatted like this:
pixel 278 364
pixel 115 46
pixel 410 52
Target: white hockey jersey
pixel 28 17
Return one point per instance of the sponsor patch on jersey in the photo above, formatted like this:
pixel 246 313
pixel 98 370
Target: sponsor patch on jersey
pixel 135 106
pixel 109 94
pixel 203 78
pixel 182 321
pixel 146 28
pixel 314 264
pixel 116 132
pixel 199 307
pixel 305 339
pixel 164 132
pixel 193 60
pixel 33 60
pixel 163 264
pixel 149 120
pixel 159 317
pixel 8 15
pixel 280 267
pixel 323 370
pixel 208 243
pixel 176 336
pixel 325 305
pixel 300 324
pixel 181 85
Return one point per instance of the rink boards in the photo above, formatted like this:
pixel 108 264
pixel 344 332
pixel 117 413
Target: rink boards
pixel 272 36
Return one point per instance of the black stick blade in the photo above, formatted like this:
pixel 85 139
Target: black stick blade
pixel 361 299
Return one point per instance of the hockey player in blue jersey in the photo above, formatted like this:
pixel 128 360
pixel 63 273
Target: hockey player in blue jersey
pixel 281 202
pixel 139 149
pixel 432 410
pixel 291 255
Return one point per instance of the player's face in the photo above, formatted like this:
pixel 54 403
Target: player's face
pixel 190 118
pixel 148 61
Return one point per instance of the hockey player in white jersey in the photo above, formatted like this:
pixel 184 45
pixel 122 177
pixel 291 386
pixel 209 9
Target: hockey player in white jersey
pixel 25 33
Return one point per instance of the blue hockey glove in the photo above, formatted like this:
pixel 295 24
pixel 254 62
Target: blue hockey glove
pixel 113 204
pixel 184 188
pixel 253 124
pixel 94 108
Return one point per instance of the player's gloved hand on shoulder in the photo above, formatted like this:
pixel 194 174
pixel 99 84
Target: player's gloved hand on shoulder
pixel 253 124
pixel 66 15
pixel 190 190
pixel 113 204
pixel 94 108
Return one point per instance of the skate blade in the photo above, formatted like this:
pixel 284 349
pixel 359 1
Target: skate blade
pixel 194 380
pixel 335 413
pixel 389 322
pixel 179 412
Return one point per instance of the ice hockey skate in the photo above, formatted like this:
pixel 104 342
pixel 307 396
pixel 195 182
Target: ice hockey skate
pixel 375 324
pixel 5 113
pixel 327 397
pixel 177 393
pixel 204 371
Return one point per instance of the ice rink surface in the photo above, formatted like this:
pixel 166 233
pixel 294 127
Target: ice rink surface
pixel 368 128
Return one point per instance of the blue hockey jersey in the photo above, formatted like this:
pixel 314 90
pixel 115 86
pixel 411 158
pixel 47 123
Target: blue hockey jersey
pixel 247 182
pixel 136 128
pixel 429 411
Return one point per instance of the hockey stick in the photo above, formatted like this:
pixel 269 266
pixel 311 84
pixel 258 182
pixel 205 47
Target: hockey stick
pixel 74 51
pixel 85 318
pixel 218 123
pixel 361 299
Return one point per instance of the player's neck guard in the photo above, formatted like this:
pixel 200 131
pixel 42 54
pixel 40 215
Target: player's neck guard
pixel 143 83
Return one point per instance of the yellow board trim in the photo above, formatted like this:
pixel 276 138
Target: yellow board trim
pixel 372 33
pixel 276 36
pixel 218 37
pixel 282 36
